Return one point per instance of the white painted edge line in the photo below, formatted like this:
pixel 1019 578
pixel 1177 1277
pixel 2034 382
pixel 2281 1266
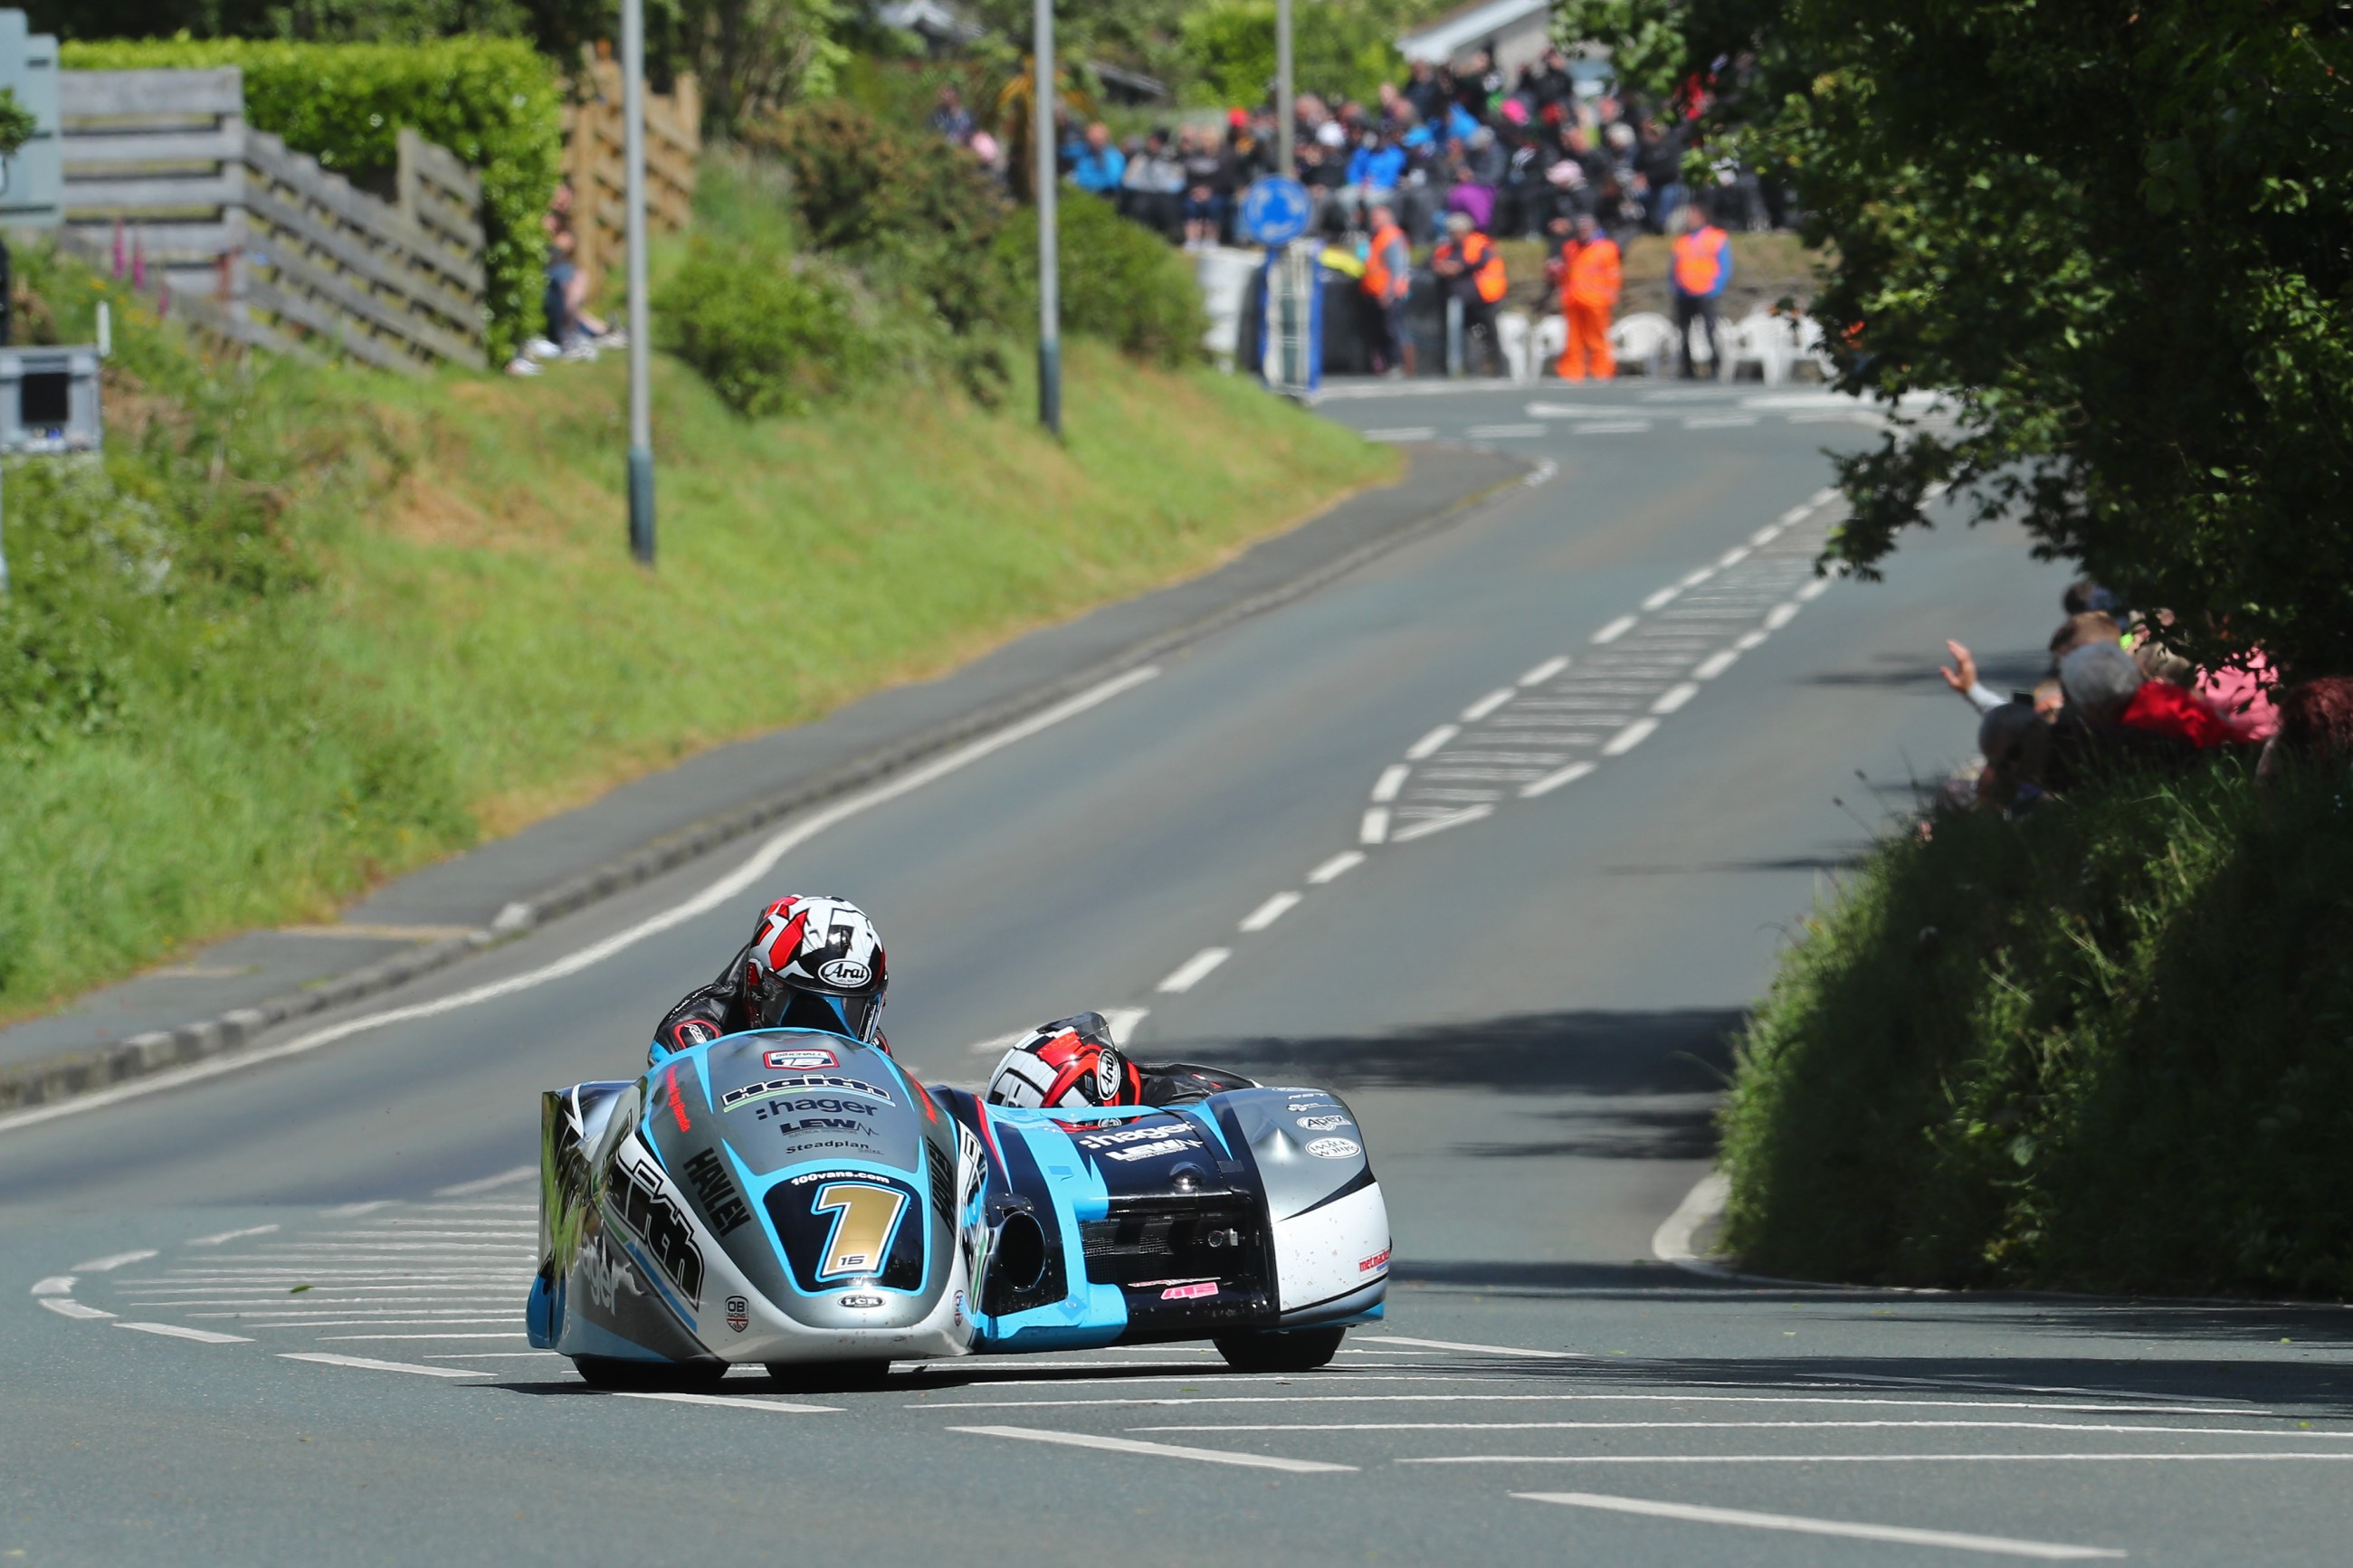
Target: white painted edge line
pixel 113 1260
pixel 1430 824
pixel 1816 589
pixel 1392 779
pixel 1664 597
pixel 1476 1348
pixel 365 1364
pixel 1122 1022
pixel 1195 970
pixel 1674 697
pixel 751 872
pixel 368 1207
pixel 730 1401
pixel 1339 866
pixel 1627 739
pixel 1671 1242
pixel 231 1236
pixel 1545 670
pixel 1616 629
pixel 67 1307
pixel 1430 742
pixel 1375 828
pixel 1998 1545
pixel 488 1183
pixel 2022 1457
pixel 2107 1427
pixel 54 1285
pixel 1781 615
pixel 1158 1450
pixel 1715 664
pixel 174 1332
pixel 1273 909
pixel 1487 705
pixel 1552 781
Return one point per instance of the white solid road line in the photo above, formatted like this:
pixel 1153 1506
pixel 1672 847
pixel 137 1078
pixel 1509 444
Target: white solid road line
pixel 1430 824
pixel 1392 779
pixel 1430 742
pixel 113 1260
pixel 1671 1242
pixel 1998 1545
pixel 1376 826
pixel 337 1339
pixel 1674 697
pixel 231 1236
pixel 731 1402
pixel 1552 781
pixel 1545 670
pixel 1616 629
pixel 54 1285
pixel 753 870
pixel 488 1183
pixel 67 1307
pixel 1487 705
pixel 1196 969
pixel 1632 736
pixel 1339 866
pixel 1476 1348
pixel 1715 664
pixel 364 1364
pixel 1403 432
pixel 1158 1450
pixel 1804 1399
pixel 1734 1427
pixel 1273 909
pixel 173 1330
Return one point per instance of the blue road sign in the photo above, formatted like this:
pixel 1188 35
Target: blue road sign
pixel 1275 211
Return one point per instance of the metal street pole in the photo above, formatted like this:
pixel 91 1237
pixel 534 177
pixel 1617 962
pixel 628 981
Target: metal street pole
pixel 1049 283
pixel 1285 120
pixel 641 413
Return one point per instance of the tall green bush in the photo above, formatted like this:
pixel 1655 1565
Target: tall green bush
pixel 1344 48
pixel 1120 282
pixel 2106 1047
pixel 492 102
pixel 769 337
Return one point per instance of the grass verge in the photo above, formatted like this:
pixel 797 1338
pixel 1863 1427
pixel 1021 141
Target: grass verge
pixel 2109 1047
pixel 304 627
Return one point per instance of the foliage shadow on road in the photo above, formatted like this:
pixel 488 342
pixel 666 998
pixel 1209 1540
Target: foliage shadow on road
pixel 1680 1050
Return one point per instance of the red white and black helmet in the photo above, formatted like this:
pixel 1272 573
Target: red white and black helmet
pixel 1071 1061
pixel 817 962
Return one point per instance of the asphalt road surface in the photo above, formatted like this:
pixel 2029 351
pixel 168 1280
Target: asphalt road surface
pixel 1498 836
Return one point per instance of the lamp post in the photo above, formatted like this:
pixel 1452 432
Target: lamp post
pixel 1049 301
pixel 641 415
pixel 1285 120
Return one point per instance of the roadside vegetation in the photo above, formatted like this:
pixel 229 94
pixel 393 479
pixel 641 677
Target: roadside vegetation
pixel 304 627
pixel 2107 1043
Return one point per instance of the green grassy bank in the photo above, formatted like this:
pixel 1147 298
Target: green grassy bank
pixel 305 627
pixel 2109 1047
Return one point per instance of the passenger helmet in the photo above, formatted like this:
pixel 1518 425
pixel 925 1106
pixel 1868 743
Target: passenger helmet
pixel 817 962
pixel 1071 1061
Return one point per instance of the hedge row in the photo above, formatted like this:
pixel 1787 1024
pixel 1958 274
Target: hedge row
pixel 492 102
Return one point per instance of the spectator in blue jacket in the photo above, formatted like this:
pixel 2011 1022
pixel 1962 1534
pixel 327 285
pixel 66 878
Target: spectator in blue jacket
pixel 1376 169
pixel 1097 165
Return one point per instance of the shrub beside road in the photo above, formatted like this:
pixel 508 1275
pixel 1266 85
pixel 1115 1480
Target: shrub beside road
pixel 306 627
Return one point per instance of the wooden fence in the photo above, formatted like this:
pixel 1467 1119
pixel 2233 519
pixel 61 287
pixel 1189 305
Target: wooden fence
pixel 261 243
pixel 592 164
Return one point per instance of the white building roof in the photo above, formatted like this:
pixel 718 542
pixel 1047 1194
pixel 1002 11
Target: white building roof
pixel 1475 24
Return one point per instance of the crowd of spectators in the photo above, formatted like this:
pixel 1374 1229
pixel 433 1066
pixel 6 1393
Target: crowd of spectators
pixel 2113 697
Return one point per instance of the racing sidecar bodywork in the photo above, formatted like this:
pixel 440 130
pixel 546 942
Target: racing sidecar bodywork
pixel 787 1197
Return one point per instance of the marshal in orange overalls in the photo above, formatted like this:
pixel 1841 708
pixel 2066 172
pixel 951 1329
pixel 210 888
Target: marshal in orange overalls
pixel 1590 284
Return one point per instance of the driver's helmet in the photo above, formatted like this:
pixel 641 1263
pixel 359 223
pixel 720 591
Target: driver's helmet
pixel 816 963
pixel 1069 1062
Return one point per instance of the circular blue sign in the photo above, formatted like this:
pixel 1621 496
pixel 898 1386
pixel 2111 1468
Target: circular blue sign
pixel 1275 211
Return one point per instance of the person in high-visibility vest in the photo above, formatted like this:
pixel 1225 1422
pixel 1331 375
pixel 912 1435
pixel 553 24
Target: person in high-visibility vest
pixel 1590 279
pixel 1389 279
pixel 1471 269
pixel 1702 266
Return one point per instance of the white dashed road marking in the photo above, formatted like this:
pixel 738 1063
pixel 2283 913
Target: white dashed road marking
pixel 730 1402
pixel 1158 1450
pixel 114 1260
pixel 1998 1545
pixel 176 1331
pixel 365 1364
pixel 1196 969
pixel 1273 909
pixel 1615 629
pixel 1339 866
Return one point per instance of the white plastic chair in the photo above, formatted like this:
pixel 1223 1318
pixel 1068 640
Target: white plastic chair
pixel 1766 341
pixel 1550 341
pixel 1643 341
pixel 1513 336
